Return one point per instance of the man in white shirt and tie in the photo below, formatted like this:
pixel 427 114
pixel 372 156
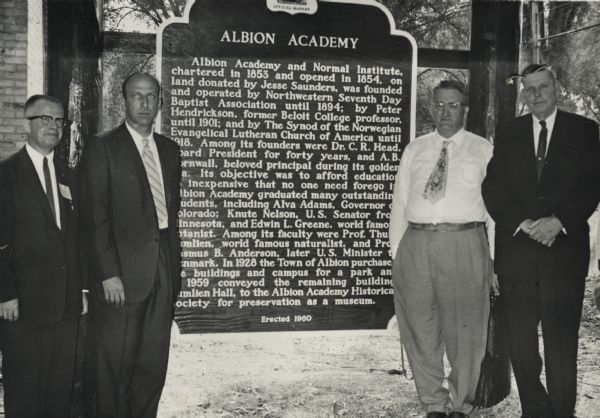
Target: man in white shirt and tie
pixel 442 269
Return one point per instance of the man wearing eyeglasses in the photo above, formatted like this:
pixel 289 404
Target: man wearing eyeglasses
pixel 40 285
pixel 130 203
pixel 542 185
pixel 442 268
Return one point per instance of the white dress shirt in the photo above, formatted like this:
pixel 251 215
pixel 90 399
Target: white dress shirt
pixel 38 162
pixel 468 156
pixel 537 128
pixel 138 139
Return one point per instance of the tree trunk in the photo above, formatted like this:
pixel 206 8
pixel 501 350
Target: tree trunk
pixel 495 34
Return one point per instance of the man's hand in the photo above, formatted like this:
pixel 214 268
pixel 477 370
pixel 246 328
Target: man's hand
pixel 525 226
pixel 84 303
pixel 545 230
pixel 9 310
pixel 114 292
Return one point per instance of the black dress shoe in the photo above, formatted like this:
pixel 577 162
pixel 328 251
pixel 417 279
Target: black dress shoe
pixel 436 415
pixel 456 414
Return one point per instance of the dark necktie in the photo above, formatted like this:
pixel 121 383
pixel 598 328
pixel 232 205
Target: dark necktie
pixel 49 190
pixel 540 159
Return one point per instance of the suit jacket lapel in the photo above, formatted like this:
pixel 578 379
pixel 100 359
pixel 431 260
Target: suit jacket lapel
pixel 31 182
pixel 528 142
pixel 65 204
pixel 556 139
pixel 558 149
pixel 164 167
pixel 130 150
pixel 527 149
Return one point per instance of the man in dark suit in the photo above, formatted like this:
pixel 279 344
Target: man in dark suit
pixel 542 185
pixel 130 201
pixel 40 286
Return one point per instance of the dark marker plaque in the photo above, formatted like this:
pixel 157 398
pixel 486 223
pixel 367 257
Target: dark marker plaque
pixel 291 128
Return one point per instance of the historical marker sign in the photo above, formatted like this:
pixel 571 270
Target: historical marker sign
pixel 291 128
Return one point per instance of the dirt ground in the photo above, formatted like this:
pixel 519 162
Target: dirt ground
pixel 324 374
pixel 330 374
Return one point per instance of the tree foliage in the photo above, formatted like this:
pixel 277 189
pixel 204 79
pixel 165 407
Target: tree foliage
pixel 443 24
pixel 574 55
pixel 433 23
pixel 149 12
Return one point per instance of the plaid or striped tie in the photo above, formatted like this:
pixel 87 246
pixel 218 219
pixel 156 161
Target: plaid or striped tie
pixel 154 179
pixel 435 189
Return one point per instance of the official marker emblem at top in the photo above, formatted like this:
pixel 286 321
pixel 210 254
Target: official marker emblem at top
pixel 293 6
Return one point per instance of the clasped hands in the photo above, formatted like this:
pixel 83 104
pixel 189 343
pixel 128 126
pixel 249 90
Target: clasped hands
pixel 543 230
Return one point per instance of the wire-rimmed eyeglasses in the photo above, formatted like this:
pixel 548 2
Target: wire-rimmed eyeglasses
pixel 441 106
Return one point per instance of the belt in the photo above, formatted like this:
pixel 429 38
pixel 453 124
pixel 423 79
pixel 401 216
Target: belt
pixel 163 231
pixel 445 226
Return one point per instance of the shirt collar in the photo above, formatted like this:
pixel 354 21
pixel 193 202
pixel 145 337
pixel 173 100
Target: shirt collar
pixel 454 139
pixel 36 157
pixel 549 120
pixel 137 138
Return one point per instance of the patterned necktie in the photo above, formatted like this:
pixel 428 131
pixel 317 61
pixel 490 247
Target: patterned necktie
pixel 49 189
pixel 435 189
pixel 540 157
pixel 154 180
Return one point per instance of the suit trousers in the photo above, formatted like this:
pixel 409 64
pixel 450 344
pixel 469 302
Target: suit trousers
pixel 441 294
pixel 38 363
pixel 555 300
pixel 133 348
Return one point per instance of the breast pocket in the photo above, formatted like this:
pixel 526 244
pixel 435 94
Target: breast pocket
pixel 471 172
pixel 422 165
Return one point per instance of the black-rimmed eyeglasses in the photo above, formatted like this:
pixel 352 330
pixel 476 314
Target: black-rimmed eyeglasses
pixel 47 119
